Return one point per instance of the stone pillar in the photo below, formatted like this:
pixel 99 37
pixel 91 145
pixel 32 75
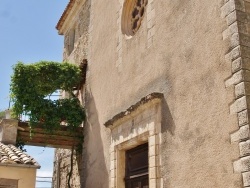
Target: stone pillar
pixel 8 131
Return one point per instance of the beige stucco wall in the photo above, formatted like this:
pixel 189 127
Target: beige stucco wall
pixel 186 63
pixel 178 51
pixel 26 176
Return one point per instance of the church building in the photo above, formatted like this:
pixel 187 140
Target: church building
pixel 166 93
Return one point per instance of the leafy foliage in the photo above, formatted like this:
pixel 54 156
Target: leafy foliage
pixel 31 84
pixel 2 114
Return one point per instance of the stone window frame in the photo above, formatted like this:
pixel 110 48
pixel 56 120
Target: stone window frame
pixel 141 126
pixel 132 16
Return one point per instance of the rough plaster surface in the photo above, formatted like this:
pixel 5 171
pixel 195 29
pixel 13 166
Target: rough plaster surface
pixel 185 61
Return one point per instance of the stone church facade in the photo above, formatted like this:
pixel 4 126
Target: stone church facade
pixel 166 93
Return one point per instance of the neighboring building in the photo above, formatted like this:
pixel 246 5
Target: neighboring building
pixel 17 169
pixel 166 93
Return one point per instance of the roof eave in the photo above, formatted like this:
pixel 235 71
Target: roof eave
pixel 20 165
pixel 70 9
pixel 64 16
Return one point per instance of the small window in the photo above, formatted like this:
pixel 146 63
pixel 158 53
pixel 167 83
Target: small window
pixel 136 175
pixel 8 183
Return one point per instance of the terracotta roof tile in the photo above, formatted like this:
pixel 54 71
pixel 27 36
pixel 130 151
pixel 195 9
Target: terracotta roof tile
pixel 10 154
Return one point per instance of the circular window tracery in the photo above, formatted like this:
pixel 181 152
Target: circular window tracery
pixel 132 15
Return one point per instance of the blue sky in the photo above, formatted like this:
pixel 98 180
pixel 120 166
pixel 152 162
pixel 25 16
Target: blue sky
pixel 28 34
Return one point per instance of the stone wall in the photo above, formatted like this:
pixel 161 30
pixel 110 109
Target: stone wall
pixel 62 159
pixel 63 167
pixel 80 27
pixel 237 15
pixel 179 50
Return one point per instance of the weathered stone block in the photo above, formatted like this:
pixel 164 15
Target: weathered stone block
pixel 244 148
pixel 232 5
pixel 233 54
pixel 230 30
pixel 237 65
pixel 241 134
pixel 243 117
pixel 153 140
pixel 245 163
pixel 239 105
pixel 235 40
pixel 153 150
pixel 246 178
pixel 235 79
pixel 153 161
pixel 152 173
pixel 227 8
pixel 242 165
pixel 237 16
pixel 242 75
pixel 240 63
pixel 152 183
pixel 231 18
pixel 240 90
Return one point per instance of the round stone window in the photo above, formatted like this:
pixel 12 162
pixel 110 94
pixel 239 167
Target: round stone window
pixel 132 15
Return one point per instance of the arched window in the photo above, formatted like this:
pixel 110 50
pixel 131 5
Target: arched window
pixel 132 16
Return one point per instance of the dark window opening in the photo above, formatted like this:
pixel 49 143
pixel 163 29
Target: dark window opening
pixel 136 175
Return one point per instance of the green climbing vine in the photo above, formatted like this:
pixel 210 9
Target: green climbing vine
pixel 31 88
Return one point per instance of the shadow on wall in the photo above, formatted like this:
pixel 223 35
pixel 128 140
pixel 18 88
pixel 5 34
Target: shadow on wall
pixel 94 173
pixel 168 124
